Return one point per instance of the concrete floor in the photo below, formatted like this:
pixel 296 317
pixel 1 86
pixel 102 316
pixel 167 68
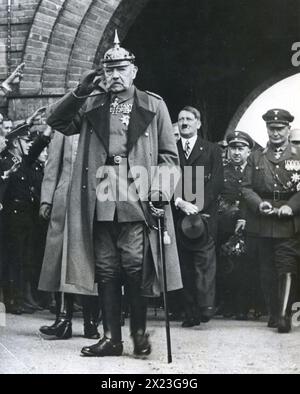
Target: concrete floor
pixel 218 347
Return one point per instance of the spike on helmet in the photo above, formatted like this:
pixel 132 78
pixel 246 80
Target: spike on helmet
pixel 117 55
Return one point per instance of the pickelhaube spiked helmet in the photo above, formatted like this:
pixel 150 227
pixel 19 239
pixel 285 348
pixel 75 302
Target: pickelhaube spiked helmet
pixel 117 55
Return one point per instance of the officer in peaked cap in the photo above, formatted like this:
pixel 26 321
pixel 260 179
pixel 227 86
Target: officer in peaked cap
pixel 234 283
pixel 19 199
pixel 278 117
pixel 239 138
pixel 271 190
pixel 120 127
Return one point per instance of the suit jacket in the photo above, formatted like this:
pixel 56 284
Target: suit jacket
pixel 208 155
pixel 265 175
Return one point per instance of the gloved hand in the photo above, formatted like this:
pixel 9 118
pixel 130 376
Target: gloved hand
pixel 90 81
pixel 45 211
pixel 285 211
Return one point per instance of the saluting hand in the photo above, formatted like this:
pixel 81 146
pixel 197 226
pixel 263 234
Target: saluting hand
pixel 14 77
pixel 88 83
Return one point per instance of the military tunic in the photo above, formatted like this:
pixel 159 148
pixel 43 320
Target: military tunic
pixel 274 177
pixel 235 274
pixel 19 202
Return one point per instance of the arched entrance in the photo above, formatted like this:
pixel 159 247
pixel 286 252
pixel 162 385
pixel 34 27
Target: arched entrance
pixel 208 53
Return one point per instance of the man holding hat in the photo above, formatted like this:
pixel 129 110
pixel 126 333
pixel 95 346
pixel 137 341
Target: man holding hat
pixel 196 226
pixel 232 277
pixel 113 241
pixel 271 191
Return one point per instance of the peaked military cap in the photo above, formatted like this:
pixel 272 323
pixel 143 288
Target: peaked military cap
pixel 239 137
pixel 278 116
pixel 22 132
pixel 117 56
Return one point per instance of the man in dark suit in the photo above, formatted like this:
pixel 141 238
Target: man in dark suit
pixel 198 265
pixel 271 190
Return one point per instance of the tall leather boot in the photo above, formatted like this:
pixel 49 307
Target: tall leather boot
pixel 285 302
pixel 62 327
pixel 138 318
pixel 90 306
pixel 270 291
pixel 111 344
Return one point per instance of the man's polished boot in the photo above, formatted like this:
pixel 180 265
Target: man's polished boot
pixel 62 327
pixel 111 344
pixel 270 291
pixel 285 301
pixel 138 318
pixel 90 312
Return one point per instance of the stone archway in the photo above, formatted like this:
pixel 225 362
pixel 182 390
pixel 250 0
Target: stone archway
pixel 66 37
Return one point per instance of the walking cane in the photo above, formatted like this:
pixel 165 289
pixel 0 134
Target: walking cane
pixel 160 223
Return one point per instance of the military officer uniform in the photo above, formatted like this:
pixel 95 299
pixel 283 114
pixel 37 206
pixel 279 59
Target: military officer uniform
pixel 234 274
pixel 19 201
pixel 111 240
pixel 273 175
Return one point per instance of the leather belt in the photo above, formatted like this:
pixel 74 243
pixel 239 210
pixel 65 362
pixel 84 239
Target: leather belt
pixel 115 160
pixel 277 196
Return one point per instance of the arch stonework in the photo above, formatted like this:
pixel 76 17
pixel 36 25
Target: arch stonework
pixel 62 39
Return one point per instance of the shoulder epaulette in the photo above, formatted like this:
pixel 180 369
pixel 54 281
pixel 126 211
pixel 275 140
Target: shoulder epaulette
pixel 154 95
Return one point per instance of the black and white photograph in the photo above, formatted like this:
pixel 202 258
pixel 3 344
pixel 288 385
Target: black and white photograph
pixel 149 189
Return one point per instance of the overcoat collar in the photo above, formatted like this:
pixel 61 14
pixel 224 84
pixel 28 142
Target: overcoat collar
pixel 98 114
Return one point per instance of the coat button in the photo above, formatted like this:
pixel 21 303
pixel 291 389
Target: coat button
pixel 147 134
pixel 87 168
pixel 84 187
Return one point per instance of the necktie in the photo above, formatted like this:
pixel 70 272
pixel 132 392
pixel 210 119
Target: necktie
pixel 187 149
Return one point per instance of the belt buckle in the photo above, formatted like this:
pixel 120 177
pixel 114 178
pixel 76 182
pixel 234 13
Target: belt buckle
pixel 276 195
pixel 118 160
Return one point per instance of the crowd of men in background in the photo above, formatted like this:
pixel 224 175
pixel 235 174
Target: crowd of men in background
pixel 238 254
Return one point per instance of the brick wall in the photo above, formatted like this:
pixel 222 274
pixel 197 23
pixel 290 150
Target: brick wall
pixel 58 40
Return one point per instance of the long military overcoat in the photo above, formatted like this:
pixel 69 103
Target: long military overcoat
pixel 150 143
pixel 55 192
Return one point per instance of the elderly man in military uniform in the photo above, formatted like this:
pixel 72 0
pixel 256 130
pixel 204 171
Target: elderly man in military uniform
pixel 113 241
pixel 271 190
pixel 232 270
pixel 198 265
